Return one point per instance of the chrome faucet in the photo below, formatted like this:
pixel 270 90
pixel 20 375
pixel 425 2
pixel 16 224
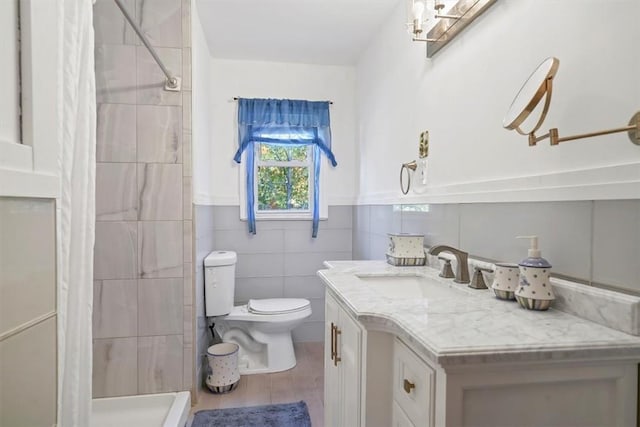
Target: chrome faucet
pixel 462 269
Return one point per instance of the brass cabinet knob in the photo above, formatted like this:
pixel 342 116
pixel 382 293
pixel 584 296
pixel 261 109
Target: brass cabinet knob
pixel 408 386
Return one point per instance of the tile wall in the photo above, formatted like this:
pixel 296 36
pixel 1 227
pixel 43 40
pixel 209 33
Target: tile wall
pixel 280 261
pixel 596 242
pixel 142 325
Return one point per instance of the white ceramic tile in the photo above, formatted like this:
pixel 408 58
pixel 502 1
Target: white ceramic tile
pixel 303 287
pixel 260 265
pixel 361 245
pixel 27 260
pixel 378 246
pixel 159 134
pixel 159 187
pixel 361 216
pixel 160 249
pixel 115 367
pixel 385 219
pixel 616 243
pixel 115 67
pixel 339 217
pixel 115 250
pixel 150 80
pixel 204 219
pixel 161 21
pixel 160 364
pixel 259 287
pixel 330 240
pixel 442 225
pixel 563 228
pixel 116 192
pixel 309 332
pixel 110 25
pixel 187 368
pixel 317 310
pixel 160 306
pixel 306 264
pixel 116 133
pixel 228 218
pixel 115 308
pixel 240 241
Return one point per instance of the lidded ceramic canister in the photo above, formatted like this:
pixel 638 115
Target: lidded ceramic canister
pixel 534 288
pixel 505 280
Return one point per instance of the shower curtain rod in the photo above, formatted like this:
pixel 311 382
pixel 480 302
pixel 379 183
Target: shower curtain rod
pixel 235 98
pixel 173 82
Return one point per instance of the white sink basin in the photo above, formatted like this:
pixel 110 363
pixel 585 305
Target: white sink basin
pixel 407 286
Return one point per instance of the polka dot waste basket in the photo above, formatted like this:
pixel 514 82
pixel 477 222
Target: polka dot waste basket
pixel 223 362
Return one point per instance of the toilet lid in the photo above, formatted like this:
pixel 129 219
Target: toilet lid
pixel 277 305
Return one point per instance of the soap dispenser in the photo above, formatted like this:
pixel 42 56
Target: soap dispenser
pixel 534 289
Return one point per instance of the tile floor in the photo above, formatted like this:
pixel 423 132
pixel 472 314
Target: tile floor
pixel 304 382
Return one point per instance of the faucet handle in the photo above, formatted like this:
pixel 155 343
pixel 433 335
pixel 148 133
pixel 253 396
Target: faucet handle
pixel 447 270
pixel 477 282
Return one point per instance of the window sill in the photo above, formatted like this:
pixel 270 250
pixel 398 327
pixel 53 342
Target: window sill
pixel 285 217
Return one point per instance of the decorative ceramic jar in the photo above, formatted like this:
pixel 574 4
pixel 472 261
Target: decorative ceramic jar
pixel 223 362
pixel 505 280
pixel 406 249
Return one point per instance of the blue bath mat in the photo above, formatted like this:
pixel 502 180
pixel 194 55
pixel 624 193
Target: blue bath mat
pixel 281 415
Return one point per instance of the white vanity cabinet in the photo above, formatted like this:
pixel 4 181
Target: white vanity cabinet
pixel 413 388
pixel 342 366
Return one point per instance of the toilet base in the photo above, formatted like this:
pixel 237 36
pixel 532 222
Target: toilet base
pixel 262 353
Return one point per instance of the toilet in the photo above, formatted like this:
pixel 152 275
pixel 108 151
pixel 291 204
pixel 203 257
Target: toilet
pixel 262 327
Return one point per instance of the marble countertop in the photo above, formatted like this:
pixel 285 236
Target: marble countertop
pixel 471 326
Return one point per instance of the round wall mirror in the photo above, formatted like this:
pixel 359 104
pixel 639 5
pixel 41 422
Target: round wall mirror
pixel 537 85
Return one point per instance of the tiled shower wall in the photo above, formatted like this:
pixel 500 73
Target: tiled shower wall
pixel 142 325
pixel 280 261
pixel 594 241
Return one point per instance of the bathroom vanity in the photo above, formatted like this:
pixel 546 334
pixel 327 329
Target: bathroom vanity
pixel 404 347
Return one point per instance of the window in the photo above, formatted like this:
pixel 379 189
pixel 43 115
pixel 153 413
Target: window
pixel 282 140
pixel 10 71
pixel 284 179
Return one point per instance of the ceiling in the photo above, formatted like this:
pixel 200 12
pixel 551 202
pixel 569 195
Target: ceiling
pixel 328 32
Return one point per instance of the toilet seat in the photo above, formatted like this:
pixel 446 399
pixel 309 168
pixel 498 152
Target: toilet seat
pixel 277 305
pixel 241 312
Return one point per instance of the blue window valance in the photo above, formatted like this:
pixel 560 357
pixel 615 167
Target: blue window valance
pixel 285 122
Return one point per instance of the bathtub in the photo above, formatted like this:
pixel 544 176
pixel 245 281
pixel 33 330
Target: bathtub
pixel 146 410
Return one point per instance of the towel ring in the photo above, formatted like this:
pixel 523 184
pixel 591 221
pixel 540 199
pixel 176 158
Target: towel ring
pixel 411 166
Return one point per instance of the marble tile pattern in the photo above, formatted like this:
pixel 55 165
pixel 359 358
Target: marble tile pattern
pixel 159 136
pixel 116 184
pixel 160 366
pixel 115 308
pixel 463 325
pixel 115 367
pixel 158 313
pixel 160 249
pixel 116 133
pixel 143 265
pixel 159 191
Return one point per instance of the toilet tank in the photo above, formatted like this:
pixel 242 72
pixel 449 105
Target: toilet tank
pixel 219 282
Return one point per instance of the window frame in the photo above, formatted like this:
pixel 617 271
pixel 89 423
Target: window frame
pixel 293 215
pixel 30 168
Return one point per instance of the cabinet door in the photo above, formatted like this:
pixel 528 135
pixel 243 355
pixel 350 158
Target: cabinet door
pixel 349 352
pixel 332 392
pixel 413 385
pixel 399 418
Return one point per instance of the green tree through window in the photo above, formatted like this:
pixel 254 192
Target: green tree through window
pixel 283 177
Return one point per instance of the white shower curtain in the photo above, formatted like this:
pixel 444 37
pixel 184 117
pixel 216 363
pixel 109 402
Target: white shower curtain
pixel 77 214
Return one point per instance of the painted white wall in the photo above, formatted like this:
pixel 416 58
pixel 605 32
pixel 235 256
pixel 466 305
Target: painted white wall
pixel 462 94
pixel 216 177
